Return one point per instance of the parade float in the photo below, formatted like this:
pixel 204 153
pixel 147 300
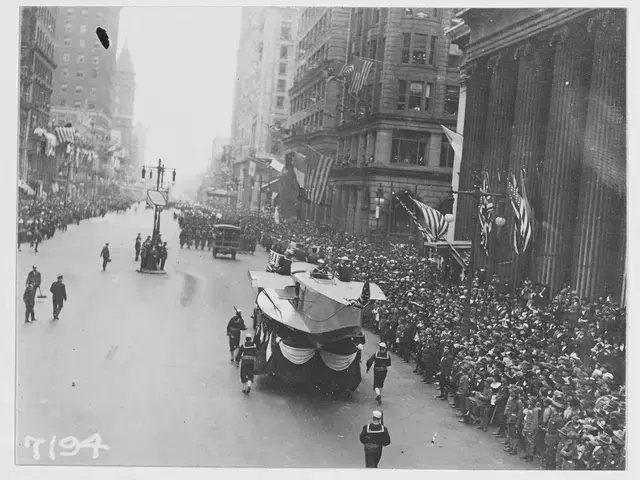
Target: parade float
pixel 307 326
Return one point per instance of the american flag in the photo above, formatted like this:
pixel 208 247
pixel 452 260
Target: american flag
pixel 346 70
pixel 521 211
pixel 318 168
pixel 66 134
pixel 365 296
pixel 435 223
pixel 423 230
pixel 362 68
pixel 486 213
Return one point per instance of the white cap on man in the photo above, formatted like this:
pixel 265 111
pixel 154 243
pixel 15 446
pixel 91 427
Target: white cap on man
pixel 377 414
pixel 382 345
pixel 248 336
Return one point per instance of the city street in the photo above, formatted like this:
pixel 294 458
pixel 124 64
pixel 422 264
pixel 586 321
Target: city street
pixel 143 361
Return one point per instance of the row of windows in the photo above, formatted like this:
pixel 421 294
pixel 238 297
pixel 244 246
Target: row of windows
pixel 308 15
pixel 68 28
pixel 79 90
pixel 84 12
pixel 310 123
pixel 42 71
pixel 308 97
pixel 285 30
pixel 77 104
pixel 408 147
pixel 310 39
pixel 284 52
pixel 415 96
pixel 82 42
pixel 280 102
pixel 66 57
pixel 44 42
pixel 320 55
pixel 419 49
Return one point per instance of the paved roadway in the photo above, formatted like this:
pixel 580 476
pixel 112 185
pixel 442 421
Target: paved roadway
pixel 143 361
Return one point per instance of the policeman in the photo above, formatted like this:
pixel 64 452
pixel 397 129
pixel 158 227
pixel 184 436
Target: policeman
pixel 234 327
pixel 104 253
pixel 382 361
pixel 247 355
pixel 374 437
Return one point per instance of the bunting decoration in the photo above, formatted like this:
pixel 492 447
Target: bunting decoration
pixel 318 168
pixel 435 222
pixel 362 67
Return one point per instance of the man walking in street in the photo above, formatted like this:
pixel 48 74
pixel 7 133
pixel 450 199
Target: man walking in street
pixel 137 247
pixel 374 437
pixel 29 298
pixel 59 293
pixel 247 355
pixel 163 255
pixel 105 256
pixel 234 327
pixel 34 278
pixel 381 360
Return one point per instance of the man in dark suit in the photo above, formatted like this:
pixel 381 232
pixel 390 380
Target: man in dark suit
pixel 59 292
pixel 29 298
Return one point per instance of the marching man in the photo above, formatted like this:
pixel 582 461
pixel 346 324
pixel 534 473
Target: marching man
pixel 247 355
pixel 234 327
pixel 104 253
pixel 381 361
pixel 374 437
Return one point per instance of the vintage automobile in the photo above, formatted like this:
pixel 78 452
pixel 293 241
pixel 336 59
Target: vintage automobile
pixel 226 240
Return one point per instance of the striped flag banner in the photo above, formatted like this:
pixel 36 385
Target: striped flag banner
pixel 435 223
pixel 527 206
pixel 426 234
pixel 66 134
pixel 362 67
pixel 319 166
pixel 522 224
pixel 486 213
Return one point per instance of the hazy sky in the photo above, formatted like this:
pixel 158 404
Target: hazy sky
pixel 185 61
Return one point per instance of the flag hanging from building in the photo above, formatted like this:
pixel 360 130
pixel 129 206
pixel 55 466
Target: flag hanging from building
pixel 362 67
pixel 435 222
pixel 522 222
pixel 486 213
pixel 318 168
pixel 345 71
pixel 365 296
pixel 425 233
pixel 66 134
pixel 527 204
pixel 455 139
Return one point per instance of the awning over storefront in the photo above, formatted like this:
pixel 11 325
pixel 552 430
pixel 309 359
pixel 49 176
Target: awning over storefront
pixel 66 134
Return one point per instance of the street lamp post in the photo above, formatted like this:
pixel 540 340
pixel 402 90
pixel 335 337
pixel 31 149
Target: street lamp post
pixel 160 168
pixel 477 193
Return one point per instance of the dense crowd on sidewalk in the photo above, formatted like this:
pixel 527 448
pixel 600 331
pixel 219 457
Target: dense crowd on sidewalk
pixel 39 219
pixel 549 375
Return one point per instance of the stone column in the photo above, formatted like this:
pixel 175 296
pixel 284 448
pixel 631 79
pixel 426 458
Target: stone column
pixel 528 136
pixel 370 145
pixel 603 177
pixel 477 79
pixel 383 146
pixel 563 155
pixel 497 140
pixel 357 210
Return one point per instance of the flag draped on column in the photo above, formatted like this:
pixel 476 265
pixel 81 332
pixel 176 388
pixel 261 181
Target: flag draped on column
pixel 486 213
pixel 522 214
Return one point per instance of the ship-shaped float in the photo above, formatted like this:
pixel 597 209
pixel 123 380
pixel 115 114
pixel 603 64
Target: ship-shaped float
pixel 308 324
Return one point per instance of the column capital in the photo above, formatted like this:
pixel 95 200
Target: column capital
pixel 560 35
pixel 496 62
pixel 470 69
pixel 607 20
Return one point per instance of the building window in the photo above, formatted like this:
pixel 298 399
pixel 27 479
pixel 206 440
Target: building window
pixel 285 31
pixel 77 104
pixel 284 52
pixel 451 100
pixel 82 43
pixel 420 49
pixel 409 147
pixel 402 95
pixel 406 47
pixel 79 89
pixel 93 92
pixel 69 11
pixel 65 57
pixel 92 106
pixel 99 14
pixel 67 28
pixel 432 50
pixel 63 89
pixel 376 15
pixel 85 12
pixel 446 153
pixel 80 73
pixel 282 85
pixel 67 41
pixel 65 72
pixel 427 96
pixel 83 29
pixel 63 102
pixel 80 59
pixel 94 74
pixel 96 60
pixel 280 102
pixel 282 69
pixel 373 49
pixel 96 44
pixel 381 49
pixel 415 96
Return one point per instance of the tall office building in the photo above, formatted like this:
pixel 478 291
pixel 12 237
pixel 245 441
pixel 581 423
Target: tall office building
pixel 37 68
pixel 124 81
pixel 83 85
pixel 264 73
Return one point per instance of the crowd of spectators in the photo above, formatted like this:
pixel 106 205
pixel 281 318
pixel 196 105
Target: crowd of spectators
pixel 39 219
pixel 548 374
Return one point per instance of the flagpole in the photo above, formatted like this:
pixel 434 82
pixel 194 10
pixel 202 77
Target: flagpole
pixel 346 60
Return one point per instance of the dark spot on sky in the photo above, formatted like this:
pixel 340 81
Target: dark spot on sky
pixel 103 37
